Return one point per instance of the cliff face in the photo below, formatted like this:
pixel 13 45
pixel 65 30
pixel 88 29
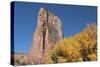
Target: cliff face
pixel 47 33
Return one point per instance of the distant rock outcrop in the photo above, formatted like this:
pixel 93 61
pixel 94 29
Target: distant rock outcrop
pixel 47 33
pixel 18 58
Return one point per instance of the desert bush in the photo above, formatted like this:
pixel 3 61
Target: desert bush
pixel 81 47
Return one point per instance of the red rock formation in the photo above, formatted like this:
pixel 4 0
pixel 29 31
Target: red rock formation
pixel 47 33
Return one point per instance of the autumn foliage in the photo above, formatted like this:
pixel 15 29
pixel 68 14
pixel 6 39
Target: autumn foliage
pixel 77 48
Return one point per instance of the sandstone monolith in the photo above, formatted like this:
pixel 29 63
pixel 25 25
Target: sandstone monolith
pixel 47 33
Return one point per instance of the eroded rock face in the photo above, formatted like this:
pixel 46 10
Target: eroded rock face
pixel 47 33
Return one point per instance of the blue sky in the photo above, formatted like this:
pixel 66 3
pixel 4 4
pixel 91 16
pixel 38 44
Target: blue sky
pixel 74 19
